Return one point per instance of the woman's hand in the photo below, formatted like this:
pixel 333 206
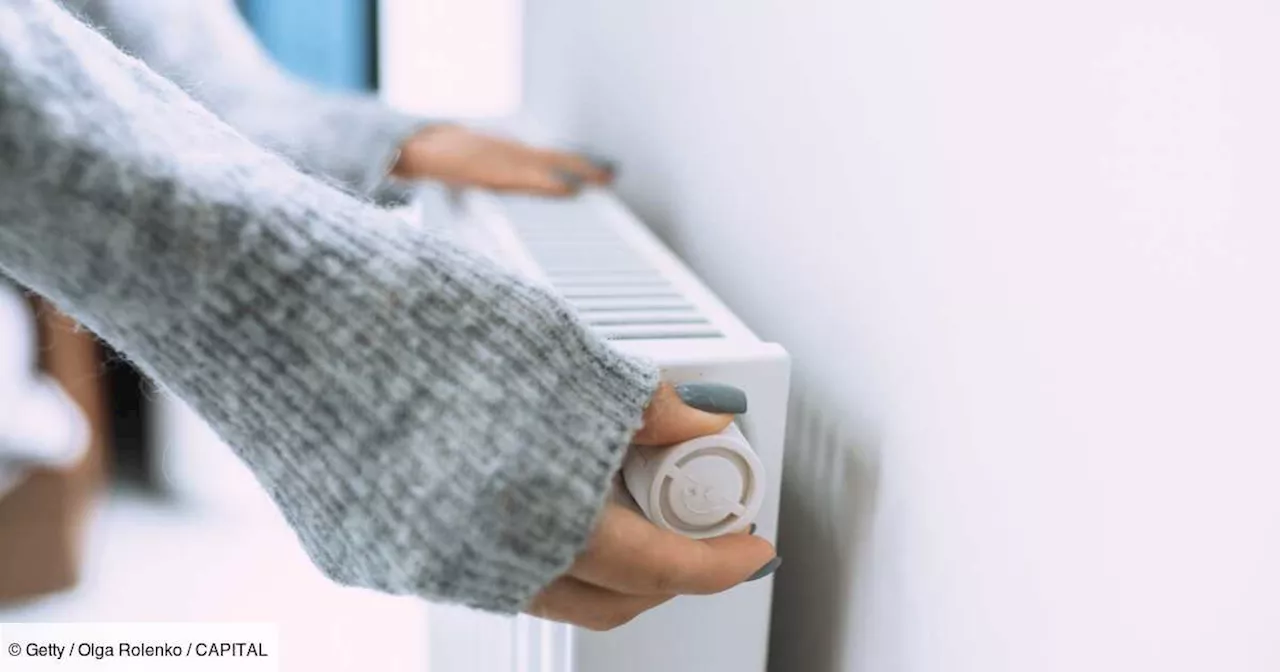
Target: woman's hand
pixel 465 158
pixel 630 565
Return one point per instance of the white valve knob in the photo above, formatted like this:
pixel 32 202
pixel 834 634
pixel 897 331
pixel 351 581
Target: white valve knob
pixel 704 487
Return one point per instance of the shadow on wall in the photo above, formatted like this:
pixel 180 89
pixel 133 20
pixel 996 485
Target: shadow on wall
pixel 829 495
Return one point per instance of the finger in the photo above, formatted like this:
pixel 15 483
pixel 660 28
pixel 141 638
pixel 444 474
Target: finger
pixel 569 600
pixel 629 554
pixel 545 172
pixel 459 156
pixel 549 178
pixel 532 178
pixel 595 170
pixel 668 420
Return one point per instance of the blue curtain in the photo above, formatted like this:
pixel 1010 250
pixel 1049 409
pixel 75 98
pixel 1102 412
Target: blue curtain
pixel 330 42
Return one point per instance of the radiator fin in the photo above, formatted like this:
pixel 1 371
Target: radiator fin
pixel 618 292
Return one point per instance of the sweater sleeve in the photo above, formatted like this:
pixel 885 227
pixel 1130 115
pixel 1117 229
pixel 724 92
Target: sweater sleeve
pixel 427 423
pixel 205 47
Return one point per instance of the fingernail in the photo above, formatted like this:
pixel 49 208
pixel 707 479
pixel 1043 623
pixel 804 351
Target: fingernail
pixel 769 568
pixel 713 397
pixel 604 165
pixel 569 179
pixel 752 529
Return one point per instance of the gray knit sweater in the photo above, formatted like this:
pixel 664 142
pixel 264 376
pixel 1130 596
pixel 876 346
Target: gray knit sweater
pixel 428 423
pixel 205 47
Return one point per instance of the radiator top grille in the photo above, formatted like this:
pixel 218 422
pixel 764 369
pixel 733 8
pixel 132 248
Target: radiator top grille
pixel 618 292
pixel 622 281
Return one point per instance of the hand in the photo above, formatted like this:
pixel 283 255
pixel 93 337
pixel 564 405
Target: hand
pixel 630 565
pixel 465 158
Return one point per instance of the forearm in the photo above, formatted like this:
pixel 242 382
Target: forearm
pixel 205 47
pixel 427 423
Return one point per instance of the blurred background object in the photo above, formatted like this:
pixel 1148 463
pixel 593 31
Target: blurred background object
pixel 53 438
pixel 330 43
pixel 41 427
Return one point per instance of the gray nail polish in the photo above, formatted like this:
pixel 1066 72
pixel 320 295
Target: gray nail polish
pixel 769 568
pixel 570 179
pixel 713 397
pixel 606 165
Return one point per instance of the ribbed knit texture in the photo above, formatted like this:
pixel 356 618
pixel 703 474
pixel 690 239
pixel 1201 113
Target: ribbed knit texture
pixel 205 47
pixel 428 423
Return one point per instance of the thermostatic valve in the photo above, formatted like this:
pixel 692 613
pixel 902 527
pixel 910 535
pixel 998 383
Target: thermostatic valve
pixel 704 487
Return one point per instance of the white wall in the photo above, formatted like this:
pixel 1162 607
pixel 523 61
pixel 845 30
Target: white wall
pixel 450 58
pixel 1025 255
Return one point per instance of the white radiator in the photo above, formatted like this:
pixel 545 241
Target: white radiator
pixel 634 292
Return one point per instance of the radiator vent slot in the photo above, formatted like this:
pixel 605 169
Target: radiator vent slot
pixel 631 303
pixel 606 317
pixel 619 293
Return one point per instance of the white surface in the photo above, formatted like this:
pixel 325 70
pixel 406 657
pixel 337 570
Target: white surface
pixel 17 338
pixel 223 553
pixel 149 561
pixel 451 59
pixel 39 424
pixel 1024 255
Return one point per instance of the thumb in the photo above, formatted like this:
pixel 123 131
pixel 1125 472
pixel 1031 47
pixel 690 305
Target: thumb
pixel 689 410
